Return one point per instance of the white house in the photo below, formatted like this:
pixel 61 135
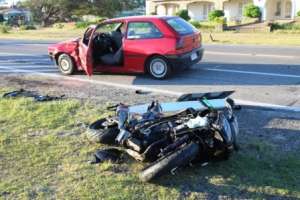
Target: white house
pixel 233 9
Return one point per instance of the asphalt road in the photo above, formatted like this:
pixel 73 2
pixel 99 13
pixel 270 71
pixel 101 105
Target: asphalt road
pixel 261 74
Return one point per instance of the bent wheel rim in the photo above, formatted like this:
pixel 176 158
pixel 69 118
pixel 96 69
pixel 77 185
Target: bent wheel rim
pixel 158 68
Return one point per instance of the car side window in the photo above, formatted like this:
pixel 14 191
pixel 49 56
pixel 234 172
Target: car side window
pixel 109 27
pixel 143 30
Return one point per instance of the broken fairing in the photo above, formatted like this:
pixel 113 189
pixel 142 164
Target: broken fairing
pixel 179 106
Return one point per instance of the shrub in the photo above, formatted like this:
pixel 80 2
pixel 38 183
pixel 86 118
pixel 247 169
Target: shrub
pixel 83 25
pixel 298 13
pixel 251 11
pixel 220 20
pixel 4 29
pixel 291 26
pixel 1 18
pixel 215 14
pixel 184 14
pixel 27 27
pixel 195 23
pixel 59 26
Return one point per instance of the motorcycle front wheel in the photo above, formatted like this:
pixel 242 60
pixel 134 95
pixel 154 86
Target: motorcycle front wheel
pixel 165 164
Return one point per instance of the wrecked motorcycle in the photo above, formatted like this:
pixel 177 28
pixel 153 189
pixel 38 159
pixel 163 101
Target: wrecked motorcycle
pixel 203 128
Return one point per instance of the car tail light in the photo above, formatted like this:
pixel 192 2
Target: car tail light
pixel 179 43
pixel 200 39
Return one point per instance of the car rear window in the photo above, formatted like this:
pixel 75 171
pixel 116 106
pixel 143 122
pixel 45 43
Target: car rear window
pixel 181 26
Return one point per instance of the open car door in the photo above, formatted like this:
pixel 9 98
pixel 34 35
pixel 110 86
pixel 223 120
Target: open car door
pixel 86 51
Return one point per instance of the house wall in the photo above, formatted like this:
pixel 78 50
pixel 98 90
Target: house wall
pixel 232 8
pixel 199 10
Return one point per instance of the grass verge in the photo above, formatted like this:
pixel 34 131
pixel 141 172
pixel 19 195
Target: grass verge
pixel 229 37
pixel 43 155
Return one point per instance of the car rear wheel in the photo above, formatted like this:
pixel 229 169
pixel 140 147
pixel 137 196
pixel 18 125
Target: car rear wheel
pixel 66 64
pixel 158 67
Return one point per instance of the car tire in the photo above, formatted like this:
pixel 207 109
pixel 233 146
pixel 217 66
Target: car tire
pixel 158 67
pixel 100 132
pixel 65 64
pixel 176 159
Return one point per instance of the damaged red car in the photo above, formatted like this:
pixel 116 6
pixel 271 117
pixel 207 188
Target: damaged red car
pixel 144 44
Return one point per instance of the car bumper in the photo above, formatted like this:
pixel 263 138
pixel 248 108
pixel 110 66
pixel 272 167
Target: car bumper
pixel 51 56
pixel 183 61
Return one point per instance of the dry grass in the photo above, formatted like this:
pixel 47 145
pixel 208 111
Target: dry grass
pixel 291 38
pixel 275 38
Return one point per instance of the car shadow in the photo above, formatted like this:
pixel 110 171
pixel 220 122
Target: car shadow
pixel 232 74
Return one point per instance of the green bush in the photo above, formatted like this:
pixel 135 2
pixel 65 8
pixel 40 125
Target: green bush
pixel 276 26
pixel 220 20
pixel 298 13
pixel 184 14
pixel 215 14
pixel 27 27
pixel 59 26
pixel 195 23
pixel 83 25
pixel 4 29
pixel 1 18
pixel 251 11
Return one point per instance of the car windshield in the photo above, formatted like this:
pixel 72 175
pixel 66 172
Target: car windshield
pixel 181 26
pixel 108 28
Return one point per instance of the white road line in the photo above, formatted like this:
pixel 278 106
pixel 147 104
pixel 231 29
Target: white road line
pixel 251 72
pixel 249 54
pixel 30 67
pixel 160 91
pixel 20 54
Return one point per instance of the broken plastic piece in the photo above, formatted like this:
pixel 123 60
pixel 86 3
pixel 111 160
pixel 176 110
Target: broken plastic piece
pixel 103 155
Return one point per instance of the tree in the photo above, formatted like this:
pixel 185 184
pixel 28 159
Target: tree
pixel 251 11
pixel 184 14
pixel 51 11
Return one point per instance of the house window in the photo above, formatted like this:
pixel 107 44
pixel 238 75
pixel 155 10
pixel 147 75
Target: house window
pixel 288 10
pixel 240 12
pixel 278 9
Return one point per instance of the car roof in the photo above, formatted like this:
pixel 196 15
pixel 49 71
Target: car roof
pixel 137 18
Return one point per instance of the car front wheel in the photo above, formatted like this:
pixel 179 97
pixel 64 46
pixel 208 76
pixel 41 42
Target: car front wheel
pixel 158 67
pixel 66 64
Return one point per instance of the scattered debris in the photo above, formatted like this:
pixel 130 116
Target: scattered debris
pixel 109 154
pixel 31 94
pixel 142 92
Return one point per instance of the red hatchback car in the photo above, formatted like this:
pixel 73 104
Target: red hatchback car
pixel 144 44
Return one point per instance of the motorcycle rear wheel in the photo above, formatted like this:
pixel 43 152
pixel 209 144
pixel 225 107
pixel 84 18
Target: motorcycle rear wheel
pixel 175 159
